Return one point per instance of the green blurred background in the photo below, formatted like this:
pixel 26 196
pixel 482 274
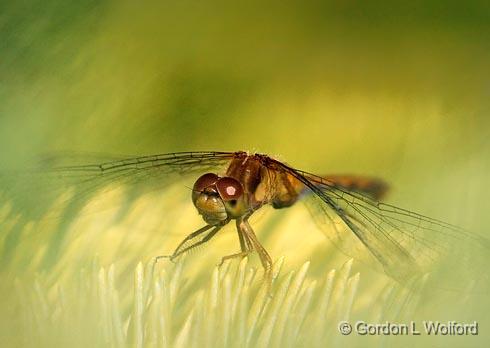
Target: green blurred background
pixel 400 91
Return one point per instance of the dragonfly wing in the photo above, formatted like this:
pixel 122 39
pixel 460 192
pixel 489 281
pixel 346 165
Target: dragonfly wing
pixel 138 174
pixel 404 243
pixel 354 237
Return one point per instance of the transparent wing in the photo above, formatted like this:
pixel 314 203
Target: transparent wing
pixel 136 174
pixel 404 243
pixel 142 169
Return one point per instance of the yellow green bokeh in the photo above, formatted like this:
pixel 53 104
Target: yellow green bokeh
pixel 396 91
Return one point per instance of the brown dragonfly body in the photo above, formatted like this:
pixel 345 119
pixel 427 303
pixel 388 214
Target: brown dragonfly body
pixel 250 182
pixel 233 185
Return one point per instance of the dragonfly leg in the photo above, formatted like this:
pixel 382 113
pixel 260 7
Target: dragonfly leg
pixel 245 245
pixel 232 256
pixel 265 259
pixel 184 245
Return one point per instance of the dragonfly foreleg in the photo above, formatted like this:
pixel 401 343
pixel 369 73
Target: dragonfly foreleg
pixel 182 248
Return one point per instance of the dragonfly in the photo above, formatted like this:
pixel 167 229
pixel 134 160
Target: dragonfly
pixel 231 186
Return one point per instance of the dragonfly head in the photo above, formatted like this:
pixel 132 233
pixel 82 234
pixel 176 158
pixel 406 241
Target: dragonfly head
pixel 218 198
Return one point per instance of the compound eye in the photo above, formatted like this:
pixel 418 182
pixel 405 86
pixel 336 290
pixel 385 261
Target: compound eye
pixel 206 180
pixel 229 189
